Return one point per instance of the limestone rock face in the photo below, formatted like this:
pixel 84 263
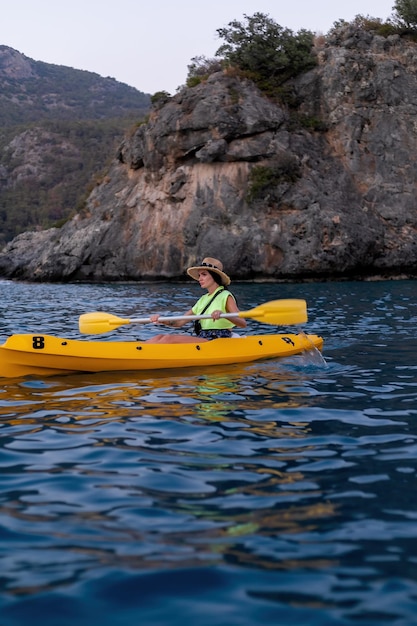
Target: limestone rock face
pixel 182 185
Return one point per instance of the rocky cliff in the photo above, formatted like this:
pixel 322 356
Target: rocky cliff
pixel 339 198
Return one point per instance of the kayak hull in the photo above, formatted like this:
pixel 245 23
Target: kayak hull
pixel 45 355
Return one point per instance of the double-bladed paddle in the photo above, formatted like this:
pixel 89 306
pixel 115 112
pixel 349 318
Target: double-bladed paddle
pixel 275 312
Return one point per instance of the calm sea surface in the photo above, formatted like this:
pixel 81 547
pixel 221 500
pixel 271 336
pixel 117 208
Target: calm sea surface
pixel 281 492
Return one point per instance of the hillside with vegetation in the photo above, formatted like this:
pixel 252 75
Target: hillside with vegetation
pixel 59 129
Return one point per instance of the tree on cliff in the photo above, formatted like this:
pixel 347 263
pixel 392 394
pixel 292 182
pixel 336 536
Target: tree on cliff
pixel 406 11
pixel 268 53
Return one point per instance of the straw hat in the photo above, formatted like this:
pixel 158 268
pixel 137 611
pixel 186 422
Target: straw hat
pixel 212 265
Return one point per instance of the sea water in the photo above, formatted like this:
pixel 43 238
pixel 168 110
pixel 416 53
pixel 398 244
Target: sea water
pixel 280 492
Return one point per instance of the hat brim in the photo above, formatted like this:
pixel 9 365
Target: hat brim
pixel 193 272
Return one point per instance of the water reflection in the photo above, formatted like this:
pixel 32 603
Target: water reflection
pixel 141 471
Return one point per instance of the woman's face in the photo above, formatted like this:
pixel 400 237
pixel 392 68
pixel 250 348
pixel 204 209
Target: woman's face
pixel 206 280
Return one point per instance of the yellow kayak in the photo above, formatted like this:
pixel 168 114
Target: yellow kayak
pixel 44 355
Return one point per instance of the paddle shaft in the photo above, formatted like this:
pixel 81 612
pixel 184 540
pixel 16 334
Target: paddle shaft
pixel 276 312
pixel 174 318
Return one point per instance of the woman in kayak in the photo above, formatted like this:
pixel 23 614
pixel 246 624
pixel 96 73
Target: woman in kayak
pixel 217 301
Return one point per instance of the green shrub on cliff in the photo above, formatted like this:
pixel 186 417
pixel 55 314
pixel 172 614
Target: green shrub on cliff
pixel 268 53
pixel 265 179
pixel 201 68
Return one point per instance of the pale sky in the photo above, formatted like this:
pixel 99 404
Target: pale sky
pixel 149 44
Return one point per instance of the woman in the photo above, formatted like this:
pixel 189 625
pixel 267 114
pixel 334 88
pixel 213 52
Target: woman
pixel 216 301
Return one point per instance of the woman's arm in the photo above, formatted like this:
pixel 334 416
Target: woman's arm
pixel 231 307
pixel 173 323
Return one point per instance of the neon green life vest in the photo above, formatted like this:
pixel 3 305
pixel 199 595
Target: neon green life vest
pixel 219 303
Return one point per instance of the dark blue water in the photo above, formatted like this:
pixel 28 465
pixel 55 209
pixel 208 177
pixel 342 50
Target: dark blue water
pixel 281 492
